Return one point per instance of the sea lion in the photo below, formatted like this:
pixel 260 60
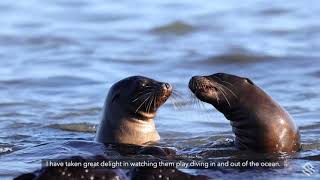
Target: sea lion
pixel 128 123
pixel 258 122
pixel 129 110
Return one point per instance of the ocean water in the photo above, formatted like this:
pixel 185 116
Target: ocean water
pixel 58 59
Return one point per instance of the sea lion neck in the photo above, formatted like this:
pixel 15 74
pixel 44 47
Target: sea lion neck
pixel 143 116
pixel 226 108
pixel 236 114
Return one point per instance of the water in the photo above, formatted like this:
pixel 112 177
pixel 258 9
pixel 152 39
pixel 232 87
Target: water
pixel 58 59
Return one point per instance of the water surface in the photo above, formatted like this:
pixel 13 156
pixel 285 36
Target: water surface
pixel 58 59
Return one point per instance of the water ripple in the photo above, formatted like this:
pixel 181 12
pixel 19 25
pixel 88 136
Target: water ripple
pixel 176 28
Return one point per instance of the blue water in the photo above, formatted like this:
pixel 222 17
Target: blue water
pixel 58 59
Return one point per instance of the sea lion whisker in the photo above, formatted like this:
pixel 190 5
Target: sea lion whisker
pixel 147 104
pixel 199 104
pixel 224 93
pixel 223 86
pixel 222 80
pixel 142 92
pixel 176 104
pixel 221 89
pixel 173 103
pixel 137 98
pixel 150 101
pixel 140 96
pixel 178 94
pixel 225 98
pixel 142 103
pixel 217 97
pixel 202 105
pixel 154 102
pixel 176 98
pixel 193 99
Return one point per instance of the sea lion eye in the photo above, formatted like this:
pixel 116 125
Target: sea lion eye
pixel 249 81
pixel 143 83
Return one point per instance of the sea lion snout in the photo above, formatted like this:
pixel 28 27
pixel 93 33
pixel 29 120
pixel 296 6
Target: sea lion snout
pixel 165 89
pixel 202 84
pixel 167 86
pixel 195 82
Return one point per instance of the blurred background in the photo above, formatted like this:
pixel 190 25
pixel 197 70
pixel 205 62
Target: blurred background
pixel 59 57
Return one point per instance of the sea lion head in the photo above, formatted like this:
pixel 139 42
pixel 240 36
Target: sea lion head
pixel 129 110
pixel 139 96
pixel 221 90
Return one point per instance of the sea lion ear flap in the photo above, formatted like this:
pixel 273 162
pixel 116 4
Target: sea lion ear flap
pixel 249 81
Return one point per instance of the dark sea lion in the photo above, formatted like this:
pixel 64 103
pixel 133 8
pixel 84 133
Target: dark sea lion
pixel 129 110
pixel 127 124
pixel 258 122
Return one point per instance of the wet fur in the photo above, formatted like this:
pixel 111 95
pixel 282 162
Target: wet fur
pixel 258 122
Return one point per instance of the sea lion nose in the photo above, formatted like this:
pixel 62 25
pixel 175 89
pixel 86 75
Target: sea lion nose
pixel 193 80
pixel 167 86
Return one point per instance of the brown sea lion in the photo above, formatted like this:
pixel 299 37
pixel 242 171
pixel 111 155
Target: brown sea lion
pixel 129 110
pixel 258 122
